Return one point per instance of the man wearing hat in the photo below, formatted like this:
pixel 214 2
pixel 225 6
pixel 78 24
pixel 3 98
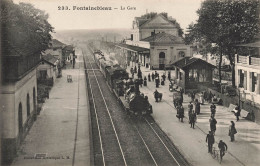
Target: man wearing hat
pixel 211 140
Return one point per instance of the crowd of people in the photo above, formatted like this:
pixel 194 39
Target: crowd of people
pixel 193 108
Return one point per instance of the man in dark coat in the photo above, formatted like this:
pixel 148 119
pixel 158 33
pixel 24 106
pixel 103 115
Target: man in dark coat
pixel 162 82
pixel 197 107
pixel 156 74
pixel 141 81
pixel 153 76
pixel 163 77
pixel 157 82
pixel 190 106
pixel 237 113
pixel 210 140
pixel 213 109
pixel 149 77
pixel 156 93
pixel 192 119
pixel 181 113
pixel 145 81
pixel 213 123
pixel 139 73
pixel 222 147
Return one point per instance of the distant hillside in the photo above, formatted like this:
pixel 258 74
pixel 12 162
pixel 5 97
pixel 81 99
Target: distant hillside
pixel 69 36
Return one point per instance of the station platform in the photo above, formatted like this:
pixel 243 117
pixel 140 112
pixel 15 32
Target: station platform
pixel 60 135
pixel 191 143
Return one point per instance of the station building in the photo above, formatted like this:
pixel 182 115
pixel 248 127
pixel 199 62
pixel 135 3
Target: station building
pixel 48 68
pixel 247 72
pixel 155 43
pixel 18 98
pixel 60 51
pixel 192 72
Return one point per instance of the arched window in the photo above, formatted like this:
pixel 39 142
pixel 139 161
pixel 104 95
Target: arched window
pixel 162 55
pixel 20 118
pixel 34 99
pixel 28 105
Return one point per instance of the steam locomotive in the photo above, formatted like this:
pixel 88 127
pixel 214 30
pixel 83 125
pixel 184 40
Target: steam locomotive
pixel 124 87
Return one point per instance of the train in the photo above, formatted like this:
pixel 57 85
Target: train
pixel 126 89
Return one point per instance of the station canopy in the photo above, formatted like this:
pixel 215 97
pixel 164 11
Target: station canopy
pixel 134 48
pixel 187 61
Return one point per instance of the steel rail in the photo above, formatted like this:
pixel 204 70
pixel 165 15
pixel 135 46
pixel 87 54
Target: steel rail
pixel 146 147
pixel 162 142
pixel 109 116
pixel 141 138
pixel 97 120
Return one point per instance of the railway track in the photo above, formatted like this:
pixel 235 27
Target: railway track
pixel 118 138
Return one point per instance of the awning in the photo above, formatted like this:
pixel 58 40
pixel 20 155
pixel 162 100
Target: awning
pixel 186 61
pixel 134 48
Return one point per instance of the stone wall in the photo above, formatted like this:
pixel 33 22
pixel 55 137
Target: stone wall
pixel 12 94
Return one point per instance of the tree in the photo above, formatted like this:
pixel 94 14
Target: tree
pixel 225 23
pixel 25 29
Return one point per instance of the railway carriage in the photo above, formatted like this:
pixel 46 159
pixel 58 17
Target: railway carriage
pixel 104 66
pixel 98 58
pixel 114 73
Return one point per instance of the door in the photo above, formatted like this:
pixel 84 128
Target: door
pixel 161 60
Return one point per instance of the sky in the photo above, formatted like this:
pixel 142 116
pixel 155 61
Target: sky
pixel 184 11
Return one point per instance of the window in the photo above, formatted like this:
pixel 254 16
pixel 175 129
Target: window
pixel 191 75
pixel 181 54
pixel 161 57
pixel 43 74
pixel 241 78
pixel 195 75
pixel 254 81
pixel 202 75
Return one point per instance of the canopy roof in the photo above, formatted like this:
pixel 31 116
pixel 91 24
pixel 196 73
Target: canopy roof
pixel 133 48
pixel 187 61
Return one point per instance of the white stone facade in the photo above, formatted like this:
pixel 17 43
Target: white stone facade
pixel 247 76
